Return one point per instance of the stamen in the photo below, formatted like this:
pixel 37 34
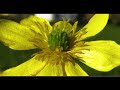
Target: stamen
pixel 41 27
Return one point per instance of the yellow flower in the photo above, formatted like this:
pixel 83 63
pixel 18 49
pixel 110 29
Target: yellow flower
pixel 61 46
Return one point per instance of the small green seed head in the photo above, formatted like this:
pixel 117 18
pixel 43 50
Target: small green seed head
pixel 58 40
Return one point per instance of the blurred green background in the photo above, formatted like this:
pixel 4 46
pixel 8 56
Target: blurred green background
pixel 10 58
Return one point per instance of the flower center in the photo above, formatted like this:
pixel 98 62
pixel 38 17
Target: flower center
pixel 58 40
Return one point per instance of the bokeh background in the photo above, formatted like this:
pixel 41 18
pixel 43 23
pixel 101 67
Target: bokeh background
pixel 11 58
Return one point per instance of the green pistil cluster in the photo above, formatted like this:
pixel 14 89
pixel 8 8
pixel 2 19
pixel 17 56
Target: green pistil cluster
pixel 58 40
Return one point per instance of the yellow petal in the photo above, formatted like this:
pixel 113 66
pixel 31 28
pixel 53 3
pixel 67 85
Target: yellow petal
pixel 94 26
pixel 38 24
pixel 28 68
pixel 74 69
pixel 51 70
pixel 15 35
pixel 100 55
